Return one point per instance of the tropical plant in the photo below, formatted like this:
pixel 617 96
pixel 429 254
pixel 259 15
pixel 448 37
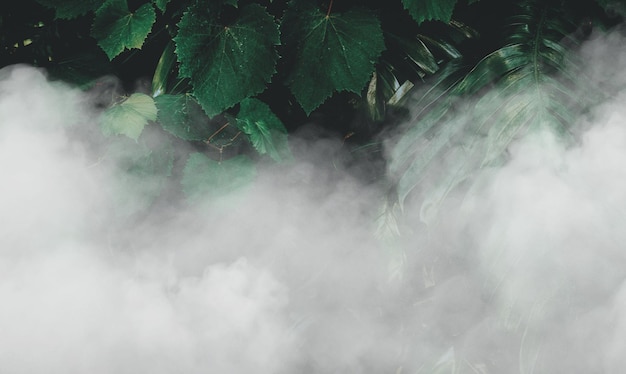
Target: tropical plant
pixel 234 78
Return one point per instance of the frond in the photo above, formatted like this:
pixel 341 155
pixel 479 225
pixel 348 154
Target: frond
pixel 532 82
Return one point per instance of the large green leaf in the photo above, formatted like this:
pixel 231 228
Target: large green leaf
pixel 116 28
pixel 226 63
pixel 204 178
pixel 68 9
pixel 265 131
pixel 536 87
pixel 182 116
pixel 426 10
pixel 332 52
pixel 130 116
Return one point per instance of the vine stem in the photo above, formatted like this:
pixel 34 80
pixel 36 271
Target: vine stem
pixel 330 6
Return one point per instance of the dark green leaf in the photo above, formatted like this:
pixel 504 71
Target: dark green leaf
pixel 68 9
pixel 116 28
pixel 426 10
pixel 182 116
pixel 161 4
pixel 265 131
pixel 206 178
pixel 226 63
pixel 334 52
pixel 130 116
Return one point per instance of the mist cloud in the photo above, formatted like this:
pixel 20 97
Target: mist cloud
pixel 525 275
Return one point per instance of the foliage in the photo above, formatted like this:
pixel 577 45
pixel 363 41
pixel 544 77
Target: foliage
pixel 117 28
pixel 232 78
pixel 226 62
pixel 333 52
pixel 130 116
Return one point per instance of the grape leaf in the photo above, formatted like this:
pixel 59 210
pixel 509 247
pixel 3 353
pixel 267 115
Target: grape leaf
pixel 116 28
pixel 204 177
pixel 161 4
pixel 265 131
pixel 182 116
pixel 129 117
pixel 426 10
pixel 142 167
pixel 226 63
pixel 334 52
pixel 68 9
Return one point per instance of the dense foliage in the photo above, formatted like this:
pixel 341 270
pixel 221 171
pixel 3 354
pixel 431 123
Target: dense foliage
pixel 232 75
pixel 234 78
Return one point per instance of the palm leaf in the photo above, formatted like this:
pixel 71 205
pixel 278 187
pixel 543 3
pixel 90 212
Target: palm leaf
pixel 410 58
pixel 530 83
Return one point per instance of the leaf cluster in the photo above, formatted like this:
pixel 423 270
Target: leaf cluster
pixel 231 71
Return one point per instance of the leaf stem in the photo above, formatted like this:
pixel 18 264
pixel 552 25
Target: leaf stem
pixel 330 6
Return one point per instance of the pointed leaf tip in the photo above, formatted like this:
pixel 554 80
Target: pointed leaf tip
pixel 117 28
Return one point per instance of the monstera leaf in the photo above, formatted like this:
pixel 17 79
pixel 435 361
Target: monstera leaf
pixel 226 62
pixel 332 52
pixel 116 28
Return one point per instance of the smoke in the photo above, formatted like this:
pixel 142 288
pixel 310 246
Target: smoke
pixel 525 275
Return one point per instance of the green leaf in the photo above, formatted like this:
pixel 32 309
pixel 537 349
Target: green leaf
pixel 182 116
pixel 116 28
pixel 534 84
pixel 68 9
pixel 207 178
pixel 163 70
pixel 334 52
pixel 130 116
pixel 226 63
pixel 427 10
pixel 161 4
pixel 143 169
pixel 265 131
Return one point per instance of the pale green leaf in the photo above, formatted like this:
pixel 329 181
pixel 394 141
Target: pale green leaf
pixel 204 178
pixel 265 131
pixel 130 116
pixel 116 28
pixel 334 52
pixel 226 63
